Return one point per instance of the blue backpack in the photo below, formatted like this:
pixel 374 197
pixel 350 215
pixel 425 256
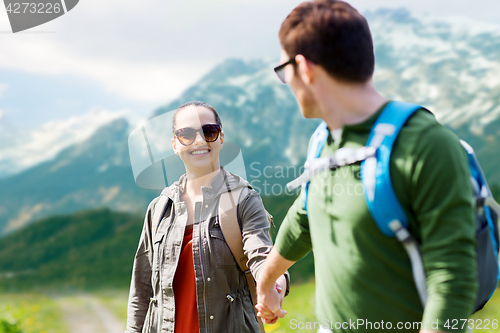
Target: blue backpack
pixel 385 207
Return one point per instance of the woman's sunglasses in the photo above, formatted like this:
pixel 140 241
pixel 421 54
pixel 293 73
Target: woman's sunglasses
pixel 187 135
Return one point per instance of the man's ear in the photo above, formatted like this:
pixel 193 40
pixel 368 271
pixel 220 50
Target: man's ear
pixel 221 138
pixel 305 69
pixel 174 146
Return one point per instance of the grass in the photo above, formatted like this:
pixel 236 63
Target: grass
pixel 36 313
pixel 299 304
pixel 300 307
pixel 30 313
pixel 116 301
pixel 489 314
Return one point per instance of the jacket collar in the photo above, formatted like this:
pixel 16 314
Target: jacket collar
pixel 223 182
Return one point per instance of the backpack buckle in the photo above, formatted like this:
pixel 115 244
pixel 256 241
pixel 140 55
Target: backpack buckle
pixel 402 234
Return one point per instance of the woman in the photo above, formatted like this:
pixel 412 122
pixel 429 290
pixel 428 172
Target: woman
pixel 186 279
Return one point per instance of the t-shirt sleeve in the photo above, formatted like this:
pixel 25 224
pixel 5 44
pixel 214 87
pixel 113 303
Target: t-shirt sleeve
pixel 293 241
pixel 444 209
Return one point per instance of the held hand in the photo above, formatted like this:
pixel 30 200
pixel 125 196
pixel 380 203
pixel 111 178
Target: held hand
pixel 281 287
pixel 270 301
pixel 265 314
pixel 269 296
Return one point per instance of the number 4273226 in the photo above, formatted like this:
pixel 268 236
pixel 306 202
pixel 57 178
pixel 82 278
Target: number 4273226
pixel 477 324
pixel 34 8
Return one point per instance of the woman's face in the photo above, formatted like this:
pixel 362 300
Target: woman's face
pixel 200 156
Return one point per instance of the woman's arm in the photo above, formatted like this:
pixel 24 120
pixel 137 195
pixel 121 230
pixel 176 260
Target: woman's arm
pixel 257 242
pixel 255 227
pixel 140 288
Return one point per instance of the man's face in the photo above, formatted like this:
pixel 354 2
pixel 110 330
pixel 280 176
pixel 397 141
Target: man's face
pixel 302 92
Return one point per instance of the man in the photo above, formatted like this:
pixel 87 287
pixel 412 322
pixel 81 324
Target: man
pixel 361 274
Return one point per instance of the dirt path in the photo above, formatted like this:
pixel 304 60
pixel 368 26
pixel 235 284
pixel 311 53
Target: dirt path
pixel 86 314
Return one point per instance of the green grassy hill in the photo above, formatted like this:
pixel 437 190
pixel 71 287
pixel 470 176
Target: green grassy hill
pixel 91 249
pixel 88 249
pixel 95 249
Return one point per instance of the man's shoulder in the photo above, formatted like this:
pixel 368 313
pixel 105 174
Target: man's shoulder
pixel 424 150
pixel 423 132
pixel 421 121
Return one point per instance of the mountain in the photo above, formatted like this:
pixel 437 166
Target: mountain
pixel 93 173
pixel 448 66
pixel 10 136
pixel 451 66
pixel 22 148
pixel 97 172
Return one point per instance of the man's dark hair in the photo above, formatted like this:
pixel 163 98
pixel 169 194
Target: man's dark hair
pixel 333 35
pixel 196 103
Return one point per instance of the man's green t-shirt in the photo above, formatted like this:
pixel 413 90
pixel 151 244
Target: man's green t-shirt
pixel 362 274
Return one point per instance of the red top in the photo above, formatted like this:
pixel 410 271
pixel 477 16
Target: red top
pixel 186 308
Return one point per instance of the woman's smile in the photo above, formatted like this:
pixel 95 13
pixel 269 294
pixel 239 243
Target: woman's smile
pixel 200 152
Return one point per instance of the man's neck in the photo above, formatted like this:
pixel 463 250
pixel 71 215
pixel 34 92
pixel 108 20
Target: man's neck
pixel 348 104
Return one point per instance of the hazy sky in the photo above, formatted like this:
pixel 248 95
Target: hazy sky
pixel 138 55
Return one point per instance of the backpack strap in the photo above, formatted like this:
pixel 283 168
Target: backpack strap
pixel 228 204
pixel 316 144
pixel 389 215
pixel 159 210
pixel 375 157
pixel 375 175
pixel 318 140
pixel 228 220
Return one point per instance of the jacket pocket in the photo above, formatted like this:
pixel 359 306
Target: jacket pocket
pixel 219 248
pixel 156 252
pixel 155 273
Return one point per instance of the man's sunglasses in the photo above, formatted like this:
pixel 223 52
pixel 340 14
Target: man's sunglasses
pixel 187 135
pixel 280 70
